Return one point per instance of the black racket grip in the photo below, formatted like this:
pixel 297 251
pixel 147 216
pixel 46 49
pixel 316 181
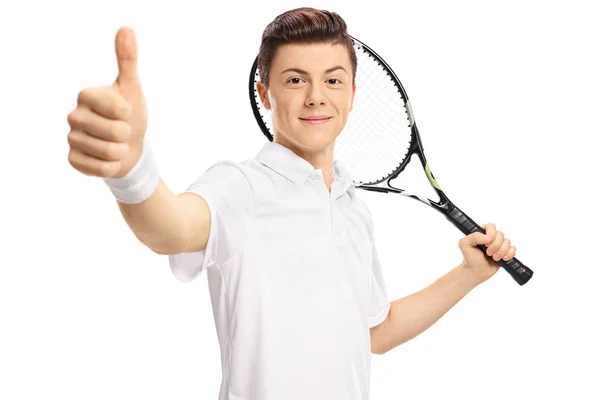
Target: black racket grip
pixel 519 271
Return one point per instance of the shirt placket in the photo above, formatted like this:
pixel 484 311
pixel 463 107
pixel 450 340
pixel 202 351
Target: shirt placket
pixel 325 198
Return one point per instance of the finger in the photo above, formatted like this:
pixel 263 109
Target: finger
pixel 474 239
pixel 503 250
pixel 126 49
pixel 496 243
pixel 93 166
pixel 510 254
pixel 105 102
pixel 490 230
pixel 97 148
pixel 84 119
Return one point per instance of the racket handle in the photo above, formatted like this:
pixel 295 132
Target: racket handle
pixel 519 271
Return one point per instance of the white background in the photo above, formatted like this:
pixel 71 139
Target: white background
pixel 505 97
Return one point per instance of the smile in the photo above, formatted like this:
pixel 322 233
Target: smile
pixel 315 121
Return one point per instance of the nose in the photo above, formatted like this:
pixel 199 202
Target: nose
pixel 315 96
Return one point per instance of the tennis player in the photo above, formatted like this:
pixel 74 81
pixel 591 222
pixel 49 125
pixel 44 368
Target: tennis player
pixel 296 285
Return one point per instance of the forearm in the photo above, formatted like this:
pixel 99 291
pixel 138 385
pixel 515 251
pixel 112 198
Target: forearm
pixel 157 221
pixel 411 315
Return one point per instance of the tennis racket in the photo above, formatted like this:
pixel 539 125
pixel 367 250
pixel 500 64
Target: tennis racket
pixel 380 139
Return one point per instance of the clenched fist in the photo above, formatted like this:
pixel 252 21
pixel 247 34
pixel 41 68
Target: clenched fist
pixel 498 247
pixel 109 123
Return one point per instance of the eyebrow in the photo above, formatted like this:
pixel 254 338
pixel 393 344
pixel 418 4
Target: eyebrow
pixel 303 72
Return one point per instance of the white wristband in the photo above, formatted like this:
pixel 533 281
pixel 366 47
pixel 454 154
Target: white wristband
pixel 139 183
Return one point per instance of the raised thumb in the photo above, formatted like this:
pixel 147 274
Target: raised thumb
pixel 126 49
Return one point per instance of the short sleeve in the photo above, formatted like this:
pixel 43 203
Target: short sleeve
pixel 228 193
pixel 379 304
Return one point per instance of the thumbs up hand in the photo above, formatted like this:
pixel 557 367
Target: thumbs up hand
pixel 109 123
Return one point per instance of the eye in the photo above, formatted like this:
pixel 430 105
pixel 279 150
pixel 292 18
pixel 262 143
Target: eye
pixel 333 81
pixel 294 80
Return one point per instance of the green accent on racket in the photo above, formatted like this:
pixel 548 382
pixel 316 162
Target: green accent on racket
pixel 431 178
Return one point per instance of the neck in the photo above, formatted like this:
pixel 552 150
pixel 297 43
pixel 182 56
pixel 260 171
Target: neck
pixel 322 159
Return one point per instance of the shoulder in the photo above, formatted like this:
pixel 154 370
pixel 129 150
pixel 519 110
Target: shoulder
pixel 224 182
pixel 224 174
pixel 250 173
pixel 248 170
pixel 360 205
pixel 361 210
pixel 228 169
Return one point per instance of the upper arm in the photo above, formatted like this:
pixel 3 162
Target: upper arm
pixel 222 193
pixel 218 212
pixel 376 333
pixel 196 222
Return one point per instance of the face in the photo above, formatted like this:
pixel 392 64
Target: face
pixel 310 95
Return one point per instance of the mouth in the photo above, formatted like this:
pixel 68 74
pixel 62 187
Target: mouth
pixel 315 120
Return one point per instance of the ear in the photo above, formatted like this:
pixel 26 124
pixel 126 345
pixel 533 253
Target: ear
pixel 352 99
pixel 263 94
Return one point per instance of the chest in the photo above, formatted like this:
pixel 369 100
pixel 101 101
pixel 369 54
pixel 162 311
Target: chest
pixel 305 255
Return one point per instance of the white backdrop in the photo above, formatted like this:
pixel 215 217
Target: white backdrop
pixel 504 94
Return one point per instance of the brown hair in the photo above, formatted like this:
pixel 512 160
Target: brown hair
pixel 302 25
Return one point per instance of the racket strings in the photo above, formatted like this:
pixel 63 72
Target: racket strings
pixel 377 135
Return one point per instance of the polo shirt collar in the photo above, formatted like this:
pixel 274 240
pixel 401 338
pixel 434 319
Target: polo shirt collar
pixel 293 167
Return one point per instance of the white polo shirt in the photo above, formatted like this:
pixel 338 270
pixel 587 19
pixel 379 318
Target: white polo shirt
pixel 294 279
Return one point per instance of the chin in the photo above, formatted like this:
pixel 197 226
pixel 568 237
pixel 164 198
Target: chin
pixel 309 138
pixel 314 141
